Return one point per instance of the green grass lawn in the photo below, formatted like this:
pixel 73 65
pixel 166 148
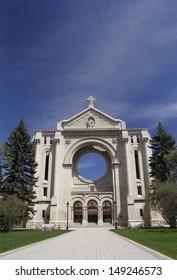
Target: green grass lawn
pixel 18 238
pixel 163 240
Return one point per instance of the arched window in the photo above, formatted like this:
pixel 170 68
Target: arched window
pixel 92 211
pixel 137 165
pixel 46 173
pixel 107 212
pixel 92 204
pixel 78 212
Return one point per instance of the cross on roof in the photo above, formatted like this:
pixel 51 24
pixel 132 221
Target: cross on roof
pixel 91 101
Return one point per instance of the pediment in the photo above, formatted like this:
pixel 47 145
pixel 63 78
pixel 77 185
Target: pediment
pixel 92 118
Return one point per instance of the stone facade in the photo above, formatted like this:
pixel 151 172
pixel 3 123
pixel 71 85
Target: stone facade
pixel 64 197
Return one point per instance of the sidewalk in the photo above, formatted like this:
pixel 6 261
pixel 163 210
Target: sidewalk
pixel 84 244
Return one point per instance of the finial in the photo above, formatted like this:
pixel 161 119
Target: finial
pixel 91 101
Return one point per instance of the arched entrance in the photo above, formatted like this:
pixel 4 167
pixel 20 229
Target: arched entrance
pixel 78 212
pixel 107 212
pixel 89 162
pixel 92 211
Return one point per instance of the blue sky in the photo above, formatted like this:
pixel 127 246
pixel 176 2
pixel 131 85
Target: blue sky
pixel 56 53
pixel 92 166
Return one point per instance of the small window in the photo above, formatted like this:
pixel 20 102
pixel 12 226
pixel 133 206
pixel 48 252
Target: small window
pixel 45 140
pixel 92 188
pixel 44 191
pixel 43 213
pixel 137 165
pixel 46 167
pixel 138 140
pixel 141 212
pixel 131 139
pixel 51 140
pixel 139 189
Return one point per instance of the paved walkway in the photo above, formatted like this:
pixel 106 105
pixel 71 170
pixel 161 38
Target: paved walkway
pixel 84 244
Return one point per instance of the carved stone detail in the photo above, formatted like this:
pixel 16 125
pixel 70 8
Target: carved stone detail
pixel 37 141
pixel 91 101
pixel 67 165
pixel 125 140
pixel 114 140
pixel 68 141
pixel 91 132
pixel 90 122
pixel 57 140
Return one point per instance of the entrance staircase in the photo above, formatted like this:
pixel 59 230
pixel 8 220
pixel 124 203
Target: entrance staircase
pixel 92 225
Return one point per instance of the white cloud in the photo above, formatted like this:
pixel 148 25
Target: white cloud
pixel 156 112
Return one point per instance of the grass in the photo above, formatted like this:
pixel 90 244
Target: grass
pixel 163 240
pixel 19 238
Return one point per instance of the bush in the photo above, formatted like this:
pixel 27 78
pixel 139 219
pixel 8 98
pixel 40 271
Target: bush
pixel 12 211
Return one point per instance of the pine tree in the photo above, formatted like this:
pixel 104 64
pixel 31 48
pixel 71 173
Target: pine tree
pixel 20 167
pixel 1 166
pixel 1 180
pixel 162 144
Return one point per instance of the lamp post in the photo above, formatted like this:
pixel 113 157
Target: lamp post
pixel 67 206
pixel 115 220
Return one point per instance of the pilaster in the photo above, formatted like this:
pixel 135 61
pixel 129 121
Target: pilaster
pixel 53 205
pixel 85 216
pixel 116 188
pixel 100 216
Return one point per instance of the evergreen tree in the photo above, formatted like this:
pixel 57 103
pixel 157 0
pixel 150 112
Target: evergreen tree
pixel 162 144
pixel 1 180
pixel 20 167
pixel 1 166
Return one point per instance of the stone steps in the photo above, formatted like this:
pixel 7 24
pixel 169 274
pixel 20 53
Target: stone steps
pixel 91 225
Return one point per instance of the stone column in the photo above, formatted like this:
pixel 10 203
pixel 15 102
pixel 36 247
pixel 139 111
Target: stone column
pixel 72 214
pixel 64 193
pixel 100 216
pixel 56 174
pixel 53 206
pixel 85 216
pixel 125 140
pixel 130 200
pixel 116 189
pixel 145 156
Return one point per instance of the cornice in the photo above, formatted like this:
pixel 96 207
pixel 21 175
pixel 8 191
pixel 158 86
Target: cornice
pixel 93 132
pixel 48 132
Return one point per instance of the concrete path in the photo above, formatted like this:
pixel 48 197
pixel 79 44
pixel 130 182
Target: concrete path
pixel 84 244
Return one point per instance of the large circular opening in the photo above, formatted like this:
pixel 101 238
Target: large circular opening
pixel 92 166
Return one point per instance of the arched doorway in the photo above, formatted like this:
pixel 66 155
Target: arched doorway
pixel 92 211
pixel 78 212
pixel 107 212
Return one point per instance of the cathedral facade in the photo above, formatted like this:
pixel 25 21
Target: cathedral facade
pixel 66 197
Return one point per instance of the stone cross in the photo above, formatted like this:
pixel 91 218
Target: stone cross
pixel 91 101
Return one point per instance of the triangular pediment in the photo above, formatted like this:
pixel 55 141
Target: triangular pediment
pixel 92 118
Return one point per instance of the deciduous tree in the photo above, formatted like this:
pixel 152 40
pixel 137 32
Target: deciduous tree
pixel 12 211
pixel 163 165
pixel 164 200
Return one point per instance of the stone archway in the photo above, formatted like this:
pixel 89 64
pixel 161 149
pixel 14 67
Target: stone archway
pixel 92 190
